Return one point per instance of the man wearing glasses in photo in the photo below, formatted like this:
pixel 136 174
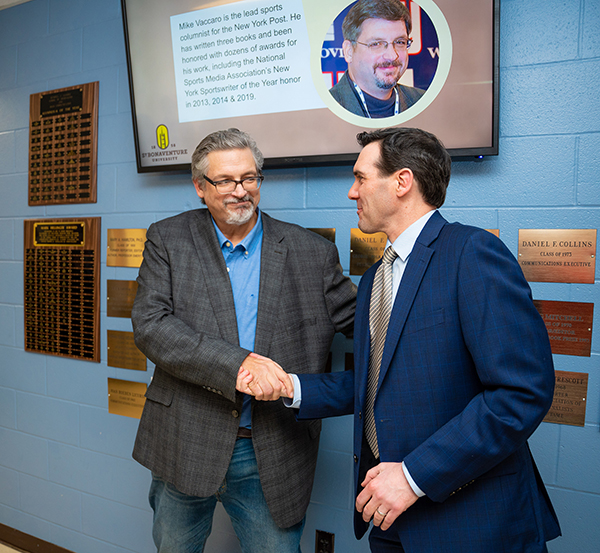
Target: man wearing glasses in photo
pixel 376 43
pixel 215 285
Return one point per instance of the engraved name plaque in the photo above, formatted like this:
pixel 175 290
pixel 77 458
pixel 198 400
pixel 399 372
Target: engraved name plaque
pixel 123 353
pixel 570 393
pixel 558 255
pixel 62 287
pixel 125 247
pixel 119 297
pixel 569 326
pixel 365 249
pixel 126 398
pixel 328 233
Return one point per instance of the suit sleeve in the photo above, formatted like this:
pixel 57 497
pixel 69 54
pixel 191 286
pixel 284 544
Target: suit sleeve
pixel 168 341
pixel 510 350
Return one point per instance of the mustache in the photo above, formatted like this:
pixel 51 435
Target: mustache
pixel 246 198
pixel 391 63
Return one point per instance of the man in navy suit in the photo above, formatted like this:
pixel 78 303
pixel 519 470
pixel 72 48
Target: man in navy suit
pixel 465 377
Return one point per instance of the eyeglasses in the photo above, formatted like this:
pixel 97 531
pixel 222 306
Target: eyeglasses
pixel 379 46
pixel 229 185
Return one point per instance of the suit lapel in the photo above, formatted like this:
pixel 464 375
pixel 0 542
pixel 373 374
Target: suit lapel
pixel 272 274
pixel 414 272
pixel 215 275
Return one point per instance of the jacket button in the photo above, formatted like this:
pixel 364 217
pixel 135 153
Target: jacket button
pixel 359 415
pixel 235 413
pixel 356 459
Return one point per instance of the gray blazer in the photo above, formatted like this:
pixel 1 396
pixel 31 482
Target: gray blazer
pixel 184 321
pixel 344 94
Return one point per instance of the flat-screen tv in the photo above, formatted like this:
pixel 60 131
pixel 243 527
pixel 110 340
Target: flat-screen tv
pixel 267 67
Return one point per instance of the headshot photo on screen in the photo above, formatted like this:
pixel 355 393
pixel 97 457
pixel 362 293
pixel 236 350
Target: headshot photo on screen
pixel 380 57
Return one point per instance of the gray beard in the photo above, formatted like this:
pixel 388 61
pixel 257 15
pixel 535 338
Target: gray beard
pixel 241 216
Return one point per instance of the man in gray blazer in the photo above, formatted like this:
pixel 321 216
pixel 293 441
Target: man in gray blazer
pixel 215 285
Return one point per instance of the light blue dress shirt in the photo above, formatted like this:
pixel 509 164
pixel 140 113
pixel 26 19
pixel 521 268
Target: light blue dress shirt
pixel 243 267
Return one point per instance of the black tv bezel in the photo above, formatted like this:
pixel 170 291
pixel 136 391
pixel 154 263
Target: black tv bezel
pixel 325 160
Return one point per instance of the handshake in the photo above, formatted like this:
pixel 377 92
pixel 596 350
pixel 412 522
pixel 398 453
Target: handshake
pixel 264 379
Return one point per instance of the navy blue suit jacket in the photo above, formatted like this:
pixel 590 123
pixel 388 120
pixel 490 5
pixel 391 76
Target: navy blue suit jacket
pixel 466 377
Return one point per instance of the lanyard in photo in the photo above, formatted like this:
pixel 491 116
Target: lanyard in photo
pixel 362 99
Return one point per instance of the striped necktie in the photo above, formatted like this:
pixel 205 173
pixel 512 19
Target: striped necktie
pixel 379 316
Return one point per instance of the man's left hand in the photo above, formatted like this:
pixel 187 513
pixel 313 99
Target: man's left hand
pixel 386 495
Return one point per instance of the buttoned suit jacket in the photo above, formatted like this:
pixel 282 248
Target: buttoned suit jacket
pixel 344 94
pixel 184 321
pixel 466 377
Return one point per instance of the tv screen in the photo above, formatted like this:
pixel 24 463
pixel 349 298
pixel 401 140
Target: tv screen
pixel 269 67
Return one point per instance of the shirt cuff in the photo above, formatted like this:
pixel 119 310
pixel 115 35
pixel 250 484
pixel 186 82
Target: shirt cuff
pixel 294 403
pixel 418 491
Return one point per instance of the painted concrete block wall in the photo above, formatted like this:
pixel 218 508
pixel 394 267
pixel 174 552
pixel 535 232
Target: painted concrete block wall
pixel 66 473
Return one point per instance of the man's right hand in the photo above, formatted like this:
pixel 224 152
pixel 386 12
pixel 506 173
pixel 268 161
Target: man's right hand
pixel 264 379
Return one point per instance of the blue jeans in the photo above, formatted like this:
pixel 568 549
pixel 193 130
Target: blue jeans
pixel 182 523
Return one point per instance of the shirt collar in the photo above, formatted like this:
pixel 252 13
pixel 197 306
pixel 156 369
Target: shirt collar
pixel 405 243
pixel 249 243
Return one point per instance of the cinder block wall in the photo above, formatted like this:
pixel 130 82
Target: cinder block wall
pixel 66 475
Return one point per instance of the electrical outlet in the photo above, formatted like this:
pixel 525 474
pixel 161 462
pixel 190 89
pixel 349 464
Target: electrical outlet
pixel 324 542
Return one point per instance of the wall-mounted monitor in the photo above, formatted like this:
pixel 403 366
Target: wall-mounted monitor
pixel 269 66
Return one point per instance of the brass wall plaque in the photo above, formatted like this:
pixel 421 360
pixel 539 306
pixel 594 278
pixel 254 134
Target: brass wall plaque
pixel 558 255
pixel 569 326
pixel 119 297
pixel 62 287
pixel 63 145
pixel 494 231
pixel 570 393
pixel 125 247
pixel 126 398
pixel 365 249
pixel 328 233
pixel 123 353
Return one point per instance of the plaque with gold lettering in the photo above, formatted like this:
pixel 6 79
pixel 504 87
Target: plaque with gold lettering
pixel 119 297
pixel 569 326
pixel 558 255
pixel 63 145
pixel 365 249
pixel 62 287
pixel 328 233
pixel 570 394
pixel 125 247
pixel 123 353
pixel 126 398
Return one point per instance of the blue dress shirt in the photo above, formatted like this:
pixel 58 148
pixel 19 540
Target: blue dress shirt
pixel 243 267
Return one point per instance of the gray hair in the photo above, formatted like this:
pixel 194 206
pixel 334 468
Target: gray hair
pixel 390 10
pixel 230 139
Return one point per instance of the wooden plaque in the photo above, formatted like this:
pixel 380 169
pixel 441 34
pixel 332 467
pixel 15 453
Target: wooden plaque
pixel 365 249
pixel 62 287
pixel 63 145
pixel 126 398
pixel 570 394
pixel 558 255
pixel 123 353
pixel 119 298
pixel 569 326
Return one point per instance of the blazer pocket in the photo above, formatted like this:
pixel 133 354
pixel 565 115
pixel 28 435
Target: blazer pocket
pixel 299 325
pixel 421 322
pixel 159 394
